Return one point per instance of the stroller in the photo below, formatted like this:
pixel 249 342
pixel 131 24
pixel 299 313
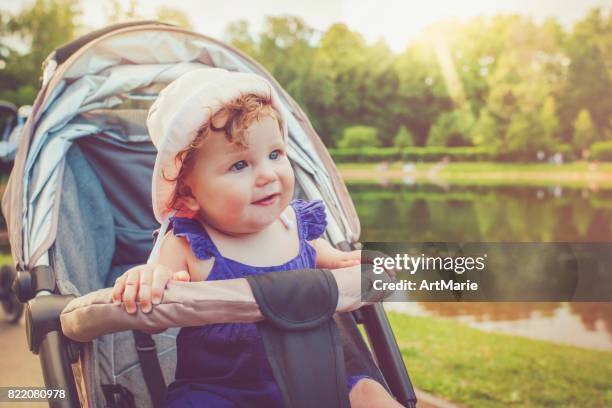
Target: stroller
pixel 79 212
pixel 11 123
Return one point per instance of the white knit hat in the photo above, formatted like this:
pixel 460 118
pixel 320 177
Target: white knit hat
pixel 180 110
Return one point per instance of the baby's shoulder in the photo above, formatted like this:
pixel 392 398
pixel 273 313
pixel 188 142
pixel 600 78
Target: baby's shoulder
pixel 173 247
pixel 176 252
pixel 173 243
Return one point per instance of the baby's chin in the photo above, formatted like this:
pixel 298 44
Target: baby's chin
pixel 257 221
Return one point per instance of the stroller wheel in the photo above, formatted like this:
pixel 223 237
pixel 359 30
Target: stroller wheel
pixel 13 308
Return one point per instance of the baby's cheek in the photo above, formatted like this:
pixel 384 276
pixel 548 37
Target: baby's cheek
pixel 234 204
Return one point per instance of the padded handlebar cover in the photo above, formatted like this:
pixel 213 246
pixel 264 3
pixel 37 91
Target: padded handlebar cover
pixel 186 304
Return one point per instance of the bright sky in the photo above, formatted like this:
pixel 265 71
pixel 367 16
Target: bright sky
pixel 397 21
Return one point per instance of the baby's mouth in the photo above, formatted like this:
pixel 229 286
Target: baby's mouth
pixel 267 200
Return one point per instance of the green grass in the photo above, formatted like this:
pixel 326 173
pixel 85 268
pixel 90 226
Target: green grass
pixel 6 258
pixel 476 167
pixel 575 174
pixel 477 368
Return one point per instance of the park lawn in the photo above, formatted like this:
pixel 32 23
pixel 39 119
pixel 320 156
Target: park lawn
pixel 6 258
pixel 578 166
pixel 576 174
pixel 477 368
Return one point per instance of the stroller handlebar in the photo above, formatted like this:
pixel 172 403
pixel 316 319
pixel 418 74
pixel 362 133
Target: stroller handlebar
pixel 188 304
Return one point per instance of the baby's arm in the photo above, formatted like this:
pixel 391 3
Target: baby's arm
pixel 145 287
pixel 329 257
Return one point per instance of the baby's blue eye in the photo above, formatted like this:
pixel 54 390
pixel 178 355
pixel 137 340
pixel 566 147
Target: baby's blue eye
pixel 275 154
pixel 239 165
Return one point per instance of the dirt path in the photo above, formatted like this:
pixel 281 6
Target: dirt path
pixel 18 366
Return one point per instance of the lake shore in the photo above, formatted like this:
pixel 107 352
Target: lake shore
pixel 576 174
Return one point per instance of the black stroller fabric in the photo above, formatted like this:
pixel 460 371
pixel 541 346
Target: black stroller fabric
pixel 300 335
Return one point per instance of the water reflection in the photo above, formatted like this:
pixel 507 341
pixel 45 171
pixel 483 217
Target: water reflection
pixel 416 213
pixel 579 324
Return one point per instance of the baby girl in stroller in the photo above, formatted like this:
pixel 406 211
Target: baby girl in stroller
pixel 223 180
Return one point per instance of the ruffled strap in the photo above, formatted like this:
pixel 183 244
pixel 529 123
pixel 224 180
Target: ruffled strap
pixel 199 240
pixel 311 218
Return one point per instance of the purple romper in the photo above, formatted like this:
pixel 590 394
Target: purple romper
pixel 225 365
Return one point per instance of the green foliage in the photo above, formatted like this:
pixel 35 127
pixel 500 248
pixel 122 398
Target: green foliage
pixel 411 154
pixel 119 12
pixel 524 135
pixel 452 128
pixel 589 72
pixel 403 138
pixel 503 82
pixel 359 136
pixel 549 121
pixel 566 149
pixel 585 133
pixel 485 131
pixel 43 26
pixel 602 151
pixel 175 16
pixel 237 34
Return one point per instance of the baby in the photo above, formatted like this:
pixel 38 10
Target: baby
pixel 223 180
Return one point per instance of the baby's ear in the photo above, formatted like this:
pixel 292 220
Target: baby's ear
pixel 189 203
pixel 187 200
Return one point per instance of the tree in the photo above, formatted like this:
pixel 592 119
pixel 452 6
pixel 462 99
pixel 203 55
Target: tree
pixel 549 121
pixel 42 27
pixel 172 15
pixel 485 131
pixel 403 138
pixel 585 133
pixel 285 50
pixel 452 128
pixel 237 34
pixel 359 136
pixel 522 137
pixel 340 61
pixel 378 89
pixel 589 83
pixel 421 92
pixel 117 13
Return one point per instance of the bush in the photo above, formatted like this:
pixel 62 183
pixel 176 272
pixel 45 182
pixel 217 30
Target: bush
pixel 403 138
pixel 585 132
pixel 601 151
pixel 359 136
pixel 427 154
pixel 567 151
pixel 365 154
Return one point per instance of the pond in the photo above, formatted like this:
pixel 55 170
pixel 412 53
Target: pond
pixel 397 212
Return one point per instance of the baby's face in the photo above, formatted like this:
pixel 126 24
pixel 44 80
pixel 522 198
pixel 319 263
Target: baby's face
pixel 242 189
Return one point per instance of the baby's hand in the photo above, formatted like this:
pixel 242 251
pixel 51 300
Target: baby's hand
pixel 145 283
pixel 344 259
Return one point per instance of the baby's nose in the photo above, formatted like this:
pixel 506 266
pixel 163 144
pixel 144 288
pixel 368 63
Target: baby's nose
pixel 265 175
